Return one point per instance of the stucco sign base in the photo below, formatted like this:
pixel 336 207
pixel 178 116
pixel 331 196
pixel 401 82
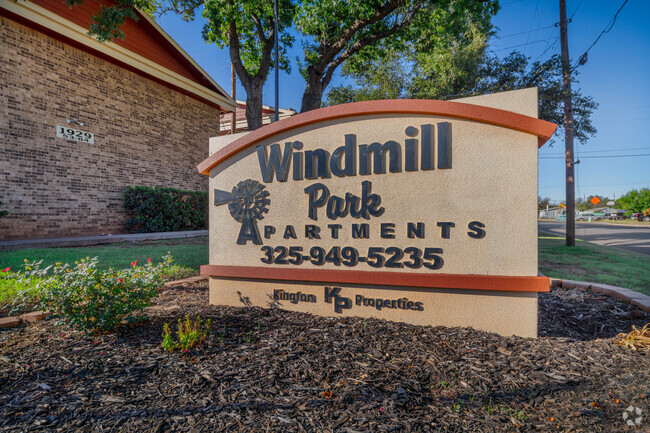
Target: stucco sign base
pixel 501 312
pixel 407 210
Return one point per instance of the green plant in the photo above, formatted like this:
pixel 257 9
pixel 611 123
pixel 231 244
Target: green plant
pixel 165 209
pixel 91 299
pixel 3 213
pixel 189 334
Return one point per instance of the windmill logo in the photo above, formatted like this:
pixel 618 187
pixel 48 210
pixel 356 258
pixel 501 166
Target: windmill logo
pixel 247 203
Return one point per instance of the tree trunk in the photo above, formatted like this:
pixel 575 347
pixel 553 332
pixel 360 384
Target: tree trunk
pixel 254 105
pixel 313 96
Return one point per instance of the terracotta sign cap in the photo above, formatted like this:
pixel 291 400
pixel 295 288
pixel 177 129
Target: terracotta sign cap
pixel 507 119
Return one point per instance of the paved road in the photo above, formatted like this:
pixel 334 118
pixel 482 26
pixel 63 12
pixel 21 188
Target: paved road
pixel 635 239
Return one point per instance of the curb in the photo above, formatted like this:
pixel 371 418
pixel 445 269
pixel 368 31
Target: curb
pixel 14 321
pixel 186 280
pixel 635 298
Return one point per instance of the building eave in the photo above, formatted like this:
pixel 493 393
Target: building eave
pixel 56 24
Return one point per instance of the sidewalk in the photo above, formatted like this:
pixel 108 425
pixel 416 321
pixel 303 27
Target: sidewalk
pixel 85 241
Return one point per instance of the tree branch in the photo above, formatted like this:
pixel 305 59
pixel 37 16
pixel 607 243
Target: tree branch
pixel 364 42
pixel 235 55
pixel 260 29
pixel 344 37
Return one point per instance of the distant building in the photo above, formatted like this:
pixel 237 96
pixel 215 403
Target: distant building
pixel 268 116
pixel 82 120
pixel 552 212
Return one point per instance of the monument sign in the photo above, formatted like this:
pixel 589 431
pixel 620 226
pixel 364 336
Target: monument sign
pixel 409 210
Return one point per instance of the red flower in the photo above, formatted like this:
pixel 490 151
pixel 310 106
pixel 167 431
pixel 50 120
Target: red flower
pixel 119 280
pixel 6 270
pixel 148 260
pixel 133 263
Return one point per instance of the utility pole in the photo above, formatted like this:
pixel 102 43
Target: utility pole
pixel 277 65
pixel 568 131
pixel 233 92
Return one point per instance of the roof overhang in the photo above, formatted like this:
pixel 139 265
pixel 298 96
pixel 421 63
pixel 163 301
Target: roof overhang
pixel 52 23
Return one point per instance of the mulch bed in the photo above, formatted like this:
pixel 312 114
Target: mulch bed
pixel 271 370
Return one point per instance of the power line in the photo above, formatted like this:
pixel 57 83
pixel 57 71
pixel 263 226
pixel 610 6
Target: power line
pixel 521 45
pixel 598 156
pixel 511 2
pixel 531 25
pixel 583 58
pixel 575 10
pixel 523 33
pixel 601 151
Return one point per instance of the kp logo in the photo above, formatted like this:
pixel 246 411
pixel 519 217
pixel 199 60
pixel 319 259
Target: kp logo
pixel 247 203
pixel 340 302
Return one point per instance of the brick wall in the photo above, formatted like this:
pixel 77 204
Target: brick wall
pixel 145 134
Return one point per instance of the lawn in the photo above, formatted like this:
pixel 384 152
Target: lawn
pixel 585 262
pixel 188 255
pixel 594 263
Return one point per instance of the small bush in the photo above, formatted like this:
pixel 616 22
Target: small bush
pixel 165 209
pixel 16 295
pixel 189 333
pixel 91 299
pixel 3 213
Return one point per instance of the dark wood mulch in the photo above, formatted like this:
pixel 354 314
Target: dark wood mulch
pixel 271 370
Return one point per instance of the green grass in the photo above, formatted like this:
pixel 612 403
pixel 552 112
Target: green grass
pixel 594 263
pixel 585 262
pixel 10 289
pixel 188 255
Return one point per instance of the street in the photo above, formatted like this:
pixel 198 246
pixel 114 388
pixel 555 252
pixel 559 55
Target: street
pixel 631 238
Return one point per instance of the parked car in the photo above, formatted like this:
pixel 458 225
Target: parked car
pixel 641 216
pixel 561 218
pixel 589 216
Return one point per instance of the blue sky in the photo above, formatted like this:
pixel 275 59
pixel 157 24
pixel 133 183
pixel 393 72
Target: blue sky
pixel 617 76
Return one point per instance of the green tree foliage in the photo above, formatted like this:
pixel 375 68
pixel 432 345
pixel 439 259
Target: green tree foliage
pixel 361 32
pixel 247 28
pixel 516 72
pixel 463 69
pixel 3 213
pixel 634 201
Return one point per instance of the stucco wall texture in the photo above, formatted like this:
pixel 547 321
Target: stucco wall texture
pixel 145 134
pixel 493 179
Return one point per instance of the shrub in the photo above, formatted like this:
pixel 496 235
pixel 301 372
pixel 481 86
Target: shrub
pixel 16 295
pixel 3 213
pixel 189 335
pixel 91 299
pixel 165 209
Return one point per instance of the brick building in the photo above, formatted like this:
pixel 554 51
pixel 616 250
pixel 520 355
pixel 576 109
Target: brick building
pixel 150 107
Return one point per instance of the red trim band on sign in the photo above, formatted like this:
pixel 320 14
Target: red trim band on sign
pixel 493 116
pixel 395 279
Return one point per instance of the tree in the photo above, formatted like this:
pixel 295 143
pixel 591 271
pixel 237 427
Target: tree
pixel 636 200
pixel 381 79
pixel 543 203
pixel 417 71
pixel 356 31
pixel 361 32
pixel 464 69
pixel 516 72
pixel 247 27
